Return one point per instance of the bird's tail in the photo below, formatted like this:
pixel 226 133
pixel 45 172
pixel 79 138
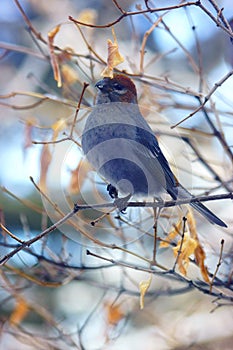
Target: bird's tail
pixel 207 214
pixel 201 208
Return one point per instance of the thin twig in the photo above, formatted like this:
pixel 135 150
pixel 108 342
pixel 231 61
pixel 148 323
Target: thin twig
pixel 219 136
pixel 206 98
pixel 29 24
pixel 133 13
pixel 10 233
pixel 228 30
pixel 85 85
pixel 181 244
pixel 144 41
pixel 155 227
pixel 220 14
pixel 206 164
pixel 217 266
pixel 160 204
pixel 37 238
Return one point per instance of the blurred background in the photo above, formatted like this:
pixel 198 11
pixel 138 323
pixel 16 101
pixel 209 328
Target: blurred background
pixel 54 296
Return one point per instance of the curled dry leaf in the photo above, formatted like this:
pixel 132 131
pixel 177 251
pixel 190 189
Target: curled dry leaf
pixel 190 245
pixel 185 247
pixel 114 57
pixel 53 57
pixel 199 253
pixel 143 288
pixel 200 259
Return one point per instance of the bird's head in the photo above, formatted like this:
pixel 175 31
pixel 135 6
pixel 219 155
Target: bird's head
pixel 118 89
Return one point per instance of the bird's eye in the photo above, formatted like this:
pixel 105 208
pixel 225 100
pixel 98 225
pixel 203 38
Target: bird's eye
pixel 119 88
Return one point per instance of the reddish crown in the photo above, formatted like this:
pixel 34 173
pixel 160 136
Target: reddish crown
pixel 125 81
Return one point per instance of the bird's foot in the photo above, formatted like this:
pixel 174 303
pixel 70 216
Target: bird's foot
pixel 121 203
pixel 113 193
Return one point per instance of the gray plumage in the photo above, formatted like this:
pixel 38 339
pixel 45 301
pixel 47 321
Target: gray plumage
pixel 121 146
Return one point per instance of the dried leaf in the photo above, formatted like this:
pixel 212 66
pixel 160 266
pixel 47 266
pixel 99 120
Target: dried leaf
pixel 78 176
pixel 114 57
pixel 57 127
pixel 185 247
pixel 45 160
pixel 20 311
pixel 192 224
pixel 53 57
pixel 172 234
pixel 69 75
pixel 199 253
pixel 114 314
pixel 143 288
pixel 200 259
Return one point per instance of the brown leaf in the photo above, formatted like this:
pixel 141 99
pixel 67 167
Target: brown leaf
pixel 53 57
pixel 114 57
pixel 45 160
pixel 20 311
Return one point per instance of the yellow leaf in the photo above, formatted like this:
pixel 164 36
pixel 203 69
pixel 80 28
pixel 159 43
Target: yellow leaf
pixel 53 56
pixel 143 287
pixel 192 224
pixel 199 253
pixel 114 57
pixel 185 247
pixel 19 312
pixel 172 234
pixel 58 126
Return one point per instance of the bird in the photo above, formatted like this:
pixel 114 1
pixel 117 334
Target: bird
pixel 121 146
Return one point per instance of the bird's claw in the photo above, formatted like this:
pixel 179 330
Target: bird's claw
pixel 112 191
